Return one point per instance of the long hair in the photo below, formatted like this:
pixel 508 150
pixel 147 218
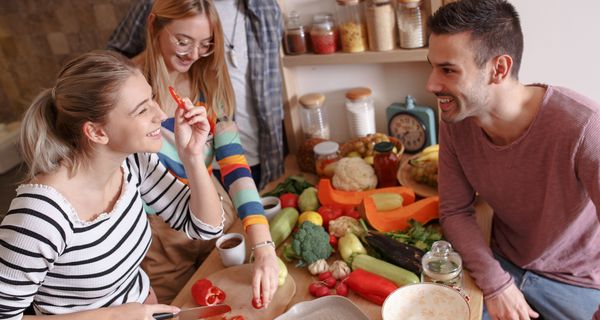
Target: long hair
pixel 86 89
pixel 208 75
pixel 494 25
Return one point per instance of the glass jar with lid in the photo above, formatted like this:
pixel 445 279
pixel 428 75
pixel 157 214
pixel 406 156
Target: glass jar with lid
pixel 442 265
pixel 380 25
pixel 326 157
pixel 353 31
pixel 360 112
pixel 294 36
pixel 323 34
pixel 314 118
pixel 386 163
pixel 411 24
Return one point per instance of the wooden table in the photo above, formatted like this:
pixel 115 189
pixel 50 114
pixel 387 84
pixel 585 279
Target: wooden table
pixel 303 278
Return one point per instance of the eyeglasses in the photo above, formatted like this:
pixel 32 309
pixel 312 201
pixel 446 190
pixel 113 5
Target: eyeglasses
pixel 185 46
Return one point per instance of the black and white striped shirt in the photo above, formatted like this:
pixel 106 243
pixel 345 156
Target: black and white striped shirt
pixel 50 258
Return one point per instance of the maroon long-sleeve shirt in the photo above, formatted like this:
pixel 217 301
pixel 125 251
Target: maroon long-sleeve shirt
pixel 544 189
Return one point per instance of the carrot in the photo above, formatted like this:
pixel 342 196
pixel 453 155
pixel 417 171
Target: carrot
pixel 424 210
pixel 329 196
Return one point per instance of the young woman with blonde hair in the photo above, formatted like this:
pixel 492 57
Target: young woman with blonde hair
pixel 73 239
pixel 185 50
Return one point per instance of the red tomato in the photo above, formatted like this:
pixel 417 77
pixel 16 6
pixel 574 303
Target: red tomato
pixel 351 212
pixel 288 200
pixel 257 303
pixel 237 318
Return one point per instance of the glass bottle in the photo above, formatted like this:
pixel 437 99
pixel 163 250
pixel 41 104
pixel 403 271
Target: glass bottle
pixel 360 112
pixel 411 24
pixel 380 25
pixel 294 36
pixel 326 156
pixel 442 265
pixel 323 34
pixel 386 164
pixel 314 118
pixel 353 31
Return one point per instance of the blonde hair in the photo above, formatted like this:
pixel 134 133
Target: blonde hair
pixel 208 75
pixel 86 89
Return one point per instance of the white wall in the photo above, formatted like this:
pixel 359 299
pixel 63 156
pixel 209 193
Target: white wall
pixel 561 48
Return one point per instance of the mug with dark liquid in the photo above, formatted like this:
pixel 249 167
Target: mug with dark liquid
pixel 232 249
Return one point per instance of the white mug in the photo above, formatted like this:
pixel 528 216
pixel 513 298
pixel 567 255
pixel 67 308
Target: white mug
pixel 272 206
pixel 232 249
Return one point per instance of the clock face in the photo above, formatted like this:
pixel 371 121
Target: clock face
pixel 410 130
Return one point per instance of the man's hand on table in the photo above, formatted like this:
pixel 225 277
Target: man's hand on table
pixel 510 304
pixel 266 273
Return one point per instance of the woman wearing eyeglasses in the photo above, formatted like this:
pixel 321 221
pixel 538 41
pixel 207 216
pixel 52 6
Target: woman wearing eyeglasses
pixel 185 50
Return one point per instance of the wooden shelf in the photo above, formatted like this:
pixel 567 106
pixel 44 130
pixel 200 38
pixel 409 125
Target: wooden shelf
pixel 398 55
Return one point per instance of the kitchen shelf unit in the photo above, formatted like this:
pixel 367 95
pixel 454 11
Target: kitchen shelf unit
pixel 291 106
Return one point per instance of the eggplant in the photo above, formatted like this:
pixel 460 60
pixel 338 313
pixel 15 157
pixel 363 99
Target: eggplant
pixel 396 252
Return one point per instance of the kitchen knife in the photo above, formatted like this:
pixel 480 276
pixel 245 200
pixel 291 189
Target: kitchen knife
pixel 195 313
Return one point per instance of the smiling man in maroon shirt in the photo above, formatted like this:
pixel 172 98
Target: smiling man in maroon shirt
pixel 532 152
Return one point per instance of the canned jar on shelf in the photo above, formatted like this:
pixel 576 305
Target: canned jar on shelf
pixel 323 34
pixel 314 119
pixel 294 36
pixel 411 24
pixel 380 25
pixel 353 30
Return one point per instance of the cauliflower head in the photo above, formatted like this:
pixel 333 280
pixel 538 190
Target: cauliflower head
pixel 354 174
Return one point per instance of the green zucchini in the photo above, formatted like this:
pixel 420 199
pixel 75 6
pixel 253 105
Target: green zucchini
pixel 399 276
pixel 282 225
pixel 396 252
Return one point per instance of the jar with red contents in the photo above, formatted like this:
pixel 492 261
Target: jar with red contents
pixel 386 164
pixel 323 34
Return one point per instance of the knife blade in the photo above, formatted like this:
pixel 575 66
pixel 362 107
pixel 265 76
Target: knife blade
pixel 195 313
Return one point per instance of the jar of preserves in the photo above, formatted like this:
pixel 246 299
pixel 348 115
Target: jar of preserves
pixel 380 25
pixel 360 112
pixel 326 157
pixel 294 36
pixel 353 31
pixel 323 34
pixel 386 164
pixel 411 24
pixel 314 118
pixel 442 265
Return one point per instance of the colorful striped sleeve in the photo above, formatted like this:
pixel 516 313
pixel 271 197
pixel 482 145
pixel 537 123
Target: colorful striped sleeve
pixel 236 175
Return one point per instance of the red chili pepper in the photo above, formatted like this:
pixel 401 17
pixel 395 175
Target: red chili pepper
pixel 370 286
pixel 288 200
pixel 329 213
pixel 177 99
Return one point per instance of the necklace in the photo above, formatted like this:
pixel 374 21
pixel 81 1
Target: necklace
pixel 230 44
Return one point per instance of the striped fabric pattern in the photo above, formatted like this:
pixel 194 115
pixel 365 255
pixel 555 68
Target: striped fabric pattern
pixel 50 258
pixel 236 176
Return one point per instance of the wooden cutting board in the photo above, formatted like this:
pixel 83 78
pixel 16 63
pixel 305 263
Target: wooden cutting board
pixel 237 283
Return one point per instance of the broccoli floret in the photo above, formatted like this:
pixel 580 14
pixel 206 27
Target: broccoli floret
pixel 309 244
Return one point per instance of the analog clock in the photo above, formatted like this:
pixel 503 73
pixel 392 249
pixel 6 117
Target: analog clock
pixel 410 130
